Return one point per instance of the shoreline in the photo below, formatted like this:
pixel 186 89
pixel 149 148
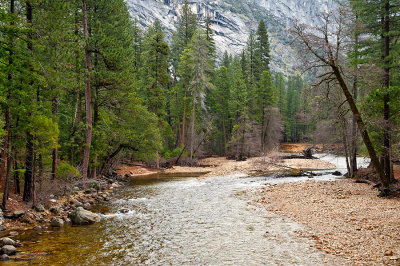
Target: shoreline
pixel 344 218
pixel 316 205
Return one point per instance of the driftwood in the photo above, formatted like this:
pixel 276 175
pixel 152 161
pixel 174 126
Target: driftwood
pixel 310 174
pixel 308 153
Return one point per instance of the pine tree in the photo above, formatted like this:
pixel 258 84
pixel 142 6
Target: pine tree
pixel 155 70
pixel 239 110
pixel 280 86
pixel 266 98
pixel 262 51
pixel 381 19
pixel 196 63
pixel 187 26
pixel 221 101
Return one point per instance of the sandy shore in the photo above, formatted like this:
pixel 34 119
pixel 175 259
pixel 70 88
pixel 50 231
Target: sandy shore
pixel 220 166
pixel 344 218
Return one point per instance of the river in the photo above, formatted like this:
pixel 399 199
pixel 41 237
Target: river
pixel 180 221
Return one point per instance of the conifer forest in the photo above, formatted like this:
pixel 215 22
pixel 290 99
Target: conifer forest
pixel 89 88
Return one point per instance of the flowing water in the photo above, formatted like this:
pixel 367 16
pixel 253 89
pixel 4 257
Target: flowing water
pixel 179 221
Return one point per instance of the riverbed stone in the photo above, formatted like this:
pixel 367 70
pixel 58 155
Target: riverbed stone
pixel 2 221
pixel 56 210
pixel 57 222
pixel 81 216
pixel 13 234
pixel 87 206
pixel 8 249
pixel 4 257
pixel 4 241
pixel 124 211
pixel 18 213
pixel 39 208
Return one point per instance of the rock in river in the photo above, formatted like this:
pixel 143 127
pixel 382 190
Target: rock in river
pixel 57 222
pixel 8 249
pixel 81 216
pixel 4 241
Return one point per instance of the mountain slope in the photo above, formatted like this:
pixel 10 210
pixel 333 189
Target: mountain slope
pixel 233 19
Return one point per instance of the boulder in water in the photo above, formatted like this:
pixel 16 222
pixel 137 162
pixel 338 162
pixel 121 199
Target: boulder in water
pixel 57 222
pixel 337 173
pixel 4 241
pixel 80 216
pixel 8 250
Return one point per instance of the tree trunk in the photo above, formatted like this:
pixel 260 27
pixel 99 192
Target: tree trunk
pixel 17 186
pixel 224 131
pixel 192 124
pixel 361 126
pixel 40 176
pixel 345 143
pixel 54 165
pixel 88 98
pixel 354 132
pixel 184 119
pixel 34 182
pixel 7 182
pixel 386 100
pixel 7 113
pixel 29 138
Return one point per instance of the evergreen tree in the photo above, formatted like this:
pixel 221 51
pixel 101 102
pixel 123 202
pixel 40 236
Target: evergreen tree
pixel 280 86
pixel 381 20
pixel 196 63
pixel 262 51
pixel 221 101
pixel 155 70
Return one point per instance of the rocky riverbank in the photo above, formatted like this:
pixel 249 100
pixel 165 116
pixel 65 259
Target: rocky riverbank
pixel 344 218
pixel 72 209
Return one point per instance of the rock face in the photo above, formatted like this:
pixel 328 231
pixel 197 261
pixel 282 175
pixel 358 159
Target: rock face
pixel 233 20
pixel 8 250
pixel 81 216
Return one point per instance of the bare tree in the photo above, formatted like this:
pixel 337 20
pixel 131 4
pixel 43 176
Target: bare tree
pixel 327 44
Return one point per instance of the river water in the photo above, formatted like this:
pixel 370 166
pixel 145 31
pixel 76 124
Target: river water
pixel 180 221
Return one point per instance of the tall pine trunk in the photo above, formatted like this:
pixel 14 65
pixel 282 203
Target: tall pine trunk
pixel 7 113
pixel 28 185
pixel 54 165
pixel 386 100
pixel 354 133
pixel 224 132
pixel 7 182
pixel 184 119
pixel 192 124
pixel 88 98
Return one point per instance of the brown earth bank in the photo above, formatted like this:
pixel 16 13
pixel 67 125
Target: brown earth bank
pixel 344 218
pixel 221 166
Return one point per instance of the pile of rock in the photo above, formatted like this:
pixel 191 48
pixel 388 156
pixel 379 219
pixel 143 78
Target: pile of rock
pixel 8 247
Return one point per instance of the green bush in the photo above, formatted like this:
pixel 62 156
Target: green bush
pixel 67 172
